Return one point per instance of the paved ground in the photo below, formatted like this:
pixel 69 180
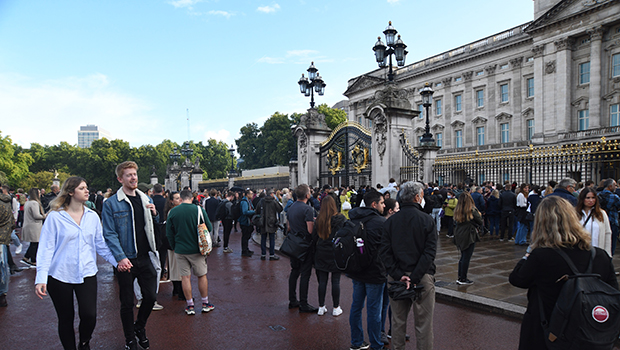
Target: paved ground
pixel 250 296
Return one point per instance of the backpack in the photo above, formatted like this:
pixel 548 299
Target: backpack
pixel 350 253
pixel 235 210
pixel 586 314
pixel 221 212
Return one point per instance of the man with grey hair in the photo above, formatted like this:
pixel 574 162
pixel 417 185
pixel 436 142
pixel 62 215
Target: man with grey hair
pixel 565 189
pixel 408 249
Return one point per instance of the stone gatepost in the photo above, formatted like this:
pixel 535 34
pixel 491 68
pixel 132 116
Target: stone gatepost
pixel 196 175
pixel 311 131
pixel 391 115
pixel 154 179
pixel 426 158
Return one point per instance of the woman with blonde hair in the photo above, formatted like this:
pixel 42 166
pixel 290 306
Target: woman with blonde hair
pixel 327 224
pixel 71 238
pixel 593 219
pixel 468 221
pixel 557 231
pixel 33 221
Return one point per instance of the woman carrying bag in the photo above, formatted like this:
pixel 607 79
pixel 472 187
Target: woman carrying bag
pixel 468 221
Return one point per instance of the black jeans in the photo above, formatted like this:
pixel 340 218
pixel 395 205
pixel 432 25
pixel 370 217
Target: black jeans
pixel 144 271
pixel 62 296
pixel 323 276
pixel 464 261
pixel 303 269
pixel 246 234
pixel 31 253
pixel 507 223
pixel 450 224
pixel 228 224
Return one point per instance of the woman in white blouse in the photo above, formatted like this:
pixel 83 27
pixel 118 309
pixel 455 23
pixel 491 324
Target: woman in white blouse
pixel 594 219
pixel 70 240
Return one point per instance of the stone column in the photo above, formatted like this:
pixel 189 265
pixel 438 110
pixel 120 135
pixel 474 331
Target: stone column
pixel 490 104
pixel 467 109
pixel 540 120
pixel 448 101
pixel 515 100
pixel 596 36
pixel 564 112
pixel 311 131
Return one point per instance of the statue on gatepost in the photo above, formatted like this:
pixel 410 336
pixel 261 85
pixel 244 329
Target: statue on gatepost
pixel 311 131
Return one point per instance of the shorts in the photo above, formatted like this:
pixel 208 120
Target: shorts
pixel 187 262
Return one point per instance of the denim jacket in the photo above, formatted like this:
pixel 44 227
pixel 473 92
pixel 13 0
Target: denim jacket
pixel 118 225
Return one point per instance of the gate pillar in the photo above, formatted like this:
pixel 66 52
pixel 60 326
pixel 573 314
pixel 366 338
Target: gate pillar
pixel 391 115
pixel 426 159
pixel 311 131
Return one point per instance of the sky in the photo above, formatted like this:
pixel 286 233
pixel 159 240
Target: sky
pixel 139 68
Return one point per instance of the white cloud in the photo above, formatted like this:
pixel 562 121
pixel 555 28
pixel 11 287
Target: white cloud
pixel 52 111
pixel 189 4
pixel 268 9
pixel 219 135
pixel 220 13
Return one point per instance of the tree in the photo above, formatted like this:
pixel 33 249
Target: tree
pixel 250 147
pixel 333 116
pixel 277 140
pixel 42 179
pixel 13 163
pixel 214 159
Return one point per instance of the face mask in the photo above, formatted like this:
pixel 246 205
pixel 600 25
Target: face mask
pixel 423 203
pixel 449 197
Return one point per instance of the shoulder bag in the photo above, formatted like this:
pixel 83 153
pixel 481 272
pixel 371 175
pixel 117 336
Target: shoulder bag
pixel 204 237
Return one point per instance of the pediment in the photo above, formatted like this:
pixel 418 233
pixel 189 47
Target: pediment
pixel 527 112
pixel 564 10
pixel 503 116
pixel 479 120
pixel 362 83
pixel 581 102
pixel 437 127
pixel 419 130
pixel 457 124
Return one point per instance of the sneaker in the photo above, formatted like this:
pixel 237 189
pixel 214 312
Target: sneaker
pixel 138 304
pixel 322 310
pixel 18 250
pixel 450 236
pixel 142 339
pixel 157 307
pixel 384 339
pixel 206 307
pixel 511 239
pixel 274 257
pixel 263 257
pixel 227 250
pixel 307 308
pixel 131 345
pixel 190 310
pixel 28 262
pixel 501 239
pixel 337 311
pixel 364 346
pixel 464 282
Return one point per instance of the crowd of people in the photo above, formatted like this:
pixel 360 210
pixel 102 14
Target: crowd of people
pixel 150 237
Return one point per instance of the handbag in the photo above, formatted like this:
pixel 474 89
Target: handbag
pixel 398 290
pixel 295 245
pixel 529 216
pixel 204 237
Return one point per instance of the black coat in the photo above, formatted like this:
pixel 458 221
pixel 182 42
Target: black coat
pixel 539 274
pixel 374 231
pixel 324 253
pixel 409 243
pixel 269 208
pixel 507 201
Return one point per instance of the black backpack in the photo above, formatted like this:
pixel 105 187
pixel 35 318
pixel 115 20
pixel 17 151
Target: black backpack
pixel 235 210
pixel 351 255
pixel 221 212
pixel 586 314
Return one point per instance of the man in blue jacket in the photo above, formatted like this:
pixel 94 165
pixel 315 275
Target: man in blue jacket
pixel 565 190
pixel 128 230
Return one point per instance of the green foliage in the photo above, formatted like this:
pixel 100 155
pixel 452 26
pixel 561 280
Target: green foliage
pixel 333 116
pixel 13 164
pixel 249 147
pixel 42 179
pixel 271 144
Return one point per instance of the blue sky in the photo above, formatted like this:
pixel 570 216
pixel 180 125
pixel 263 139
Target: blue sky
pixel 135 67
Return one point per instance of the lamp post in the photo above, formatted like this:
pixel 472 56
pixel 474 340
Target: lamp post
pixel 232 172
pixel 175 156
pixel 427 101
pixel 186 151
pixel 314 83
pixel 396 47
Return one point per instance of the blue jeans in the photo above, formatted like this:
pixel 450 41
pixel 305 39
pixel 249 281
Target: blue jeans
pixel 5 274
pixel 15 239
pixel 373 294
pixel 263 243
pixel 494 225
pixel 522 228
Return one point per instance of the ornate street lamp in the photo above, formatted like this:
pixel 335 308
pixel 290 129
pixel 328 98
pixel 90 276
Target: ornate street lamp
pixel 427 101
pixel 175 156
pixel 231 151
pixel 396 47
pixel 186 150
pixel 314 83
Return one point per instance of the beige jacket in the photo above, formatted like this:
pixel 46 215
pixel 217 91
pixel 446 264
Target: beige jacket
pixel 33 221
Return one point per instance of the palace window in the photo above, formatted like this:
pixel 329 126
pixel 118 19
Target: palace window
pixel 530 59
pixel 438 85
pixel 370 124
pixel 480 135
pixel 480 98
pixel 505 129
pixel 458 79
pixel 459 138
pixel 584 119
pixel 503 90
pixel 439 138
pixel 421 109
pixel 438 107
pixel 504 66
pixel 584 73
pixel 481 72
pixel 615 65
pixel 458 99
pixel 614 115
pixel 530 129
pixel 530 87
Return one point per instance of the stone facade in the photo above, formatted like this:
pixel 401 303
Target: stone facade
pixel 553 80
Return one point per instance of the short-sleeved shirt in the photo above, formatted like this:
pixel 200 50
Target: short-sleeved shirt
pixel 298 214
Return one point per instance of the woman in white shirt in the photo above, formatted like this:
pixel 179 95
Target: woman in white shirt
pixel 70 240
pixel 594 219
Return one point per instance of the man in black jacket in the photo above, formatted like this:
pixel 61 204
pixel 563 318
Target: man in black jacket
pixel 210 206
pixel 268 208
pixel 508 206
pixel 408 249
pixel 370 283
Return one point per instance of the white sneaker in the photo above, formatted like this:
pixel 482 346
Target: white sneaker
pixel 322 310
pixel 157 307
pixel 18 250
pixel 337 311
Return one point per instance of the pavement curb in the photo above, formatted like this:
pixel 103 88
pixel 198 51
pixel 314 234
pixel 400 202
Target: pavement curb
pixel 482 303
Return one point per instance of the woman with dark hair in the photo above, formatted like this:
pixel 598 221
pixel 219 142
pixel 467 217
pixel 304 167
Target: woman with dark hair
pixel 448 207
pixel 593 219
pixel 521 215
pixel 556 228
pixel 327 224
pixel 33 221
pixel 468 220
pixel 71 238
pixel 391 207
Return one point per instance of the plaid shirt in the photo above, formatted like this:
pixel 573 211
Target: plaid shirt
pixel 610 202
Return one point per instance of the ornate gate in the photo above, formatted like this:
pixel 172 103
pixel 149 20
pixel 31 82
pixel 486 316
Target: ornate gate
pixel 410 171
pixel 345 157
